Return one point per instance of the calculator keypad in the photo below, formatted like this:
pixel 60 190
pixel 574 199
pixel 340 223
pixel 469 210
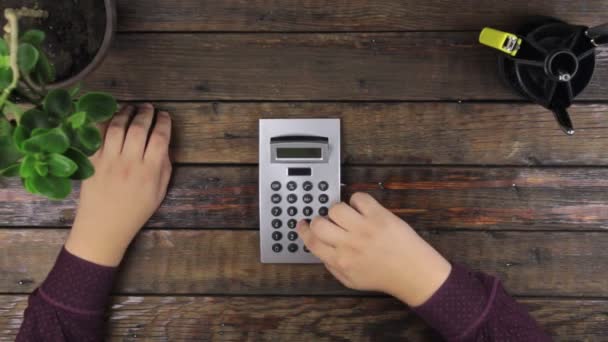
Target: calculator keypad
pixel 302 205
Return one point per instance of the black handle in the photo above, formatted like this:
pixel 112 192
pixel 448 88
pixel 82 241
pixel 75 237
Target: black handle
pixel 563 119
pixel 598 34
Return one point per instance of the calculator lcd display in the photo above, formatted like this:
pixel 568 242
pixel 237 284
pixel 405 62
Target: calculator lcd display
pixel 299 153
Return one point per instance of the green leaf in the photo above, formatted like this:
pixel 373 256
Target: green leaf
pixel 34 37
pixel 61 166
pixel 9 153
pixel 98 106
pixel 53 141
pixel 75 90
pixel 39 131
pixel 42 168
pixel 89 137
pixel 6 77
pixel 35 118
pixel 27 57
pixel 11 170
pixel 58 102
pixel 5 62
pixel 20 134
pixel 3 47
pixel 85 168
pixel 45 71
pixel 27 184
pixel 78 119
pixel 28 166
pixel 52 187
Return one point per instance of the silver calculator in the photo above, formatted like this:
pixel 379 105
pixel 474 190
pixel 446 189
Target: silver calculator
pixel 299 179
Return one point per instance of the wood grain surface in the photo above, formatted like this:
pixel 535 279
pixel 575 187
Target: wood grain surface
pixel 280 67
pixel 304 318
pixel 399 133
pixel 227 262
pixel 353 15
pixel 429 198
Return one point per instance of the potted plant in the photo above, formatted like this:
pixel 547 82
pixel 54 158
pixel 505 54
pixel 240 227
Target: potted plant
pixel 47 130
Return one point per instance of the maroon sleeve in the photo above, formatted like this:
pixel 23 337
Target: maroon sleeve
pixel 70 303
pixel 475 307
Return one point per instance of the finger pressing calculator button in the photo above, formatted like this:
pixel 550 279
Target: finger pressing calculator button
pixel 292 236
pixel 291 186
pixel 307 186
pixel 323 186
pixel 291 198
pixel 323 198
pixel 292 247
pixel 277 248
pixel 292 223
pixel 276 198
pixel 323 211
pixel 276 224
pixel 277 236
pixel 275 186
pixel 307 211
pixel 276 211
pixel 292 211
pixel 307 198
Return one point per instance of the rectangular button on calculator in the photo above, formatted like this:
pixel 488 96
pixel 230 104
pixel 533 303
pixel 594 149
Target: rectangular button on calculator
pixel 299 179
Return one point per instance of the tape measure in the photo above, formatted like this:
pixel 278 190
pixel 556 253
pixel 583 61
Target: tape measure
pixel 506 42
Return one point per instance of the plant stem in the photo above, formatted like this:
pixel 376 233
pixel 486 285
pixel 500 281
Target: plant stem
pixel 13 33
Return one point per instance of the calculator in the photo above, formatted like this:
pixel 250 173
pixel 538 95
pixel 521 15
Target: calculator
pixel 299 178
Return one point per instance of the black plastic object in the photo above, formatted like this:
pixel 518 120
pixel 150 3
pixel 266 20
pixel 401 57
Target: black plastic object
pixel 554 65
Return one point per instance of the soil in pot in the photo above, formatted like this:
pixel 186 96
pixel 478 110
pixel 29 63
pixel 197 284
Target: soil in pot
pixel 74 31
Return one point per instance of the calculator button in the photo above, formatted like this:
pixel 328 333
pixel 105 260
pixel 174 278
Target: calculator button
pixel 292 223
pixel 277 248
pixel 291 198
pixel 276 224
pixel 307 186
pixel 292 247
pixel 323 211
pixel 276 198
pixel 307 211
pixel 306 249
pixel 323 186
pixel 292 211
pixel 276 186
pixel 292 236
pixel 307 198
pixel 277 236
pixel 276 211
pixel 291 186
pixel 323 198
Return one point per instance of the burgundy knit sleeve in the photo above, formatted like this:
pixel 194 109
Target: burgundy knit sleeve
pixel 70 303
pixel 475 307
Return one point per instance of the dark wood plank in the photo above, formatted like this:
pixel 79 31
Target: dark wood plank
pixel 428 198
pixel 227 262
pixel 301 318
pixel 317 15
pixel 400 133
pixel 371 66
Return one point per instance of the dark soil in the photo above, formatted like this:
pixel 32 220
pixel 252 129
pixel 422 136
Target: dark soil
pixel 74 30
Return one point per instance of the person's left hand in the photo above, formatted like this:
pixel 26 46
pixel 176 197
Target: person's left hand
pixel 130 181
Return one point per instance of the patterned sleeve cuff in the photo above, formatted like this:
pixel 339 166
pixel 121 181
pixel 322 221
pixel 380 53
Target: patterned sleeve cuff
pixel 461 304
pixel 77 285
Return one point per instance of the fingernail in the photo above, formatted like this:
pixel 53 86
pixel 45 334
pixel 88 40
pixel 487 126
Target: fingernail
pixel 147 105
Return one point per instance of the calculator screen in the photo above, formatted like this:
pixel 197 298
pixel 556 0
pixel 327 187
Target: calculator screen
pixel 299 153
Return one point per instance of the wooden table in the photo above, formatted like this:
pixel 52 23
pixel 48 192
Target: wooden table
pixel 428 129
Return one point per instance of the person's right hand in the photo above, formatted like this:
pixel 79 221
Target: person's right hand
pixel 367 247
pixel 130 182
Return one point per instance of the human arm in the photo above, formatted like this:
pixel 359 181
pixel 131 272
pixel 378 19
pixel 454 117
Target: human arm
pixel 130 181
pixel 366 247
